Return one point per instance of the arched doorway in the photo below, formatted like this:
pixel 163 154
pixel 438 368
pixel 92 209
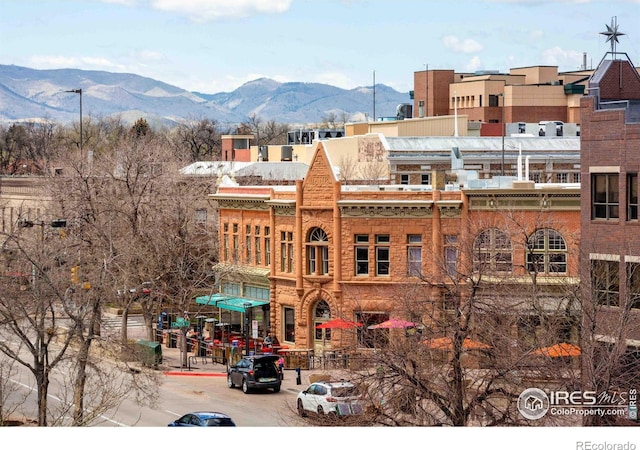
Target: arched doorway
pixel 322 336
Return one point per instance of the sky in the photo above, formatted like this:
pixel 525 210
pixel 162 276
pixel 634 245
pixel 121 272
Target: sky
pixel 213 46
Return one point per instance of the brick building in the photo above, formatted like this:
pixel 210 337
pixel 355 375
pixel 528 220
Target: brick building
pixel 610 163
pixel 321 250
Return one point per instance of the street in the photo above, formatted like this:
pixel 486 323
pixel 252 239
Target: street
pixel 179 394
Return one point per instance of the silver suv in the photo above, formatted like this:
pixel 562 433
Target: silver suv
pixel 330 397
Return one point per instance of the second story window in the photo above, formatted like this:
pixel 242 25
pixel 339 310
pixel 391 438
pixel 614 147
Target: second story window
pixel 604 196
pixel 414 255
pixel 247 243
pixel 632 196
pixel 383 254
pixel 225 241
pixel 318 252
pixel 267 246
pixel 546 252
pixel 361 252
pixel 605 282
pixel 286 251
pixel 492 251
pixel 236 244
pixel 451 254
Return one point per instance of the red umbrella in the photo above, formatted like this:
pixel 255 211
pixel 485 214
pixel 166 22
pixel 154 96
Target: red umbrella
pixel 339 323
pixel 445 343
pixel 392 323
pixel 559 350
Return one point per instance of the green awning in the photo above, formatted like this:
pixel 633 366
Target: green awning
pixel 227 302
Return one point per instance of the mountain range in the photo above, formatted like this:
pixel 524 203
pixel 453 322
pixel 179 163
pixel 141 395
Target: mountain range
pixel 31 95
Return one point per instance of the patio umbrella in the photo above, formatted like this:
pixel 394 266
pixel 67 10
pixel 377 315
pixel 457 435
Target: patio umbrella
pixel 339 324
pixel 559 350
pixel 392 323
pixel 445 343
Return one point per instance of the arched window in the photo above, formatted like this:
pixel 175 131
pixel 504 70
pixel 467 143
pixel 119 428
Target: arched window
pixel 318 252
pixel 492 251
pixel 546 252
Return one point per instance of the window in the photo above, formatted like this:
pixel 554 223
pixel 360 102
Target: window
pixel 451 253
pixel 382 254
pixel 247 241
pixel 492 251
pixel 414 255
pixel 562 177
pixel 257 293
pixel 289 324
pixel 425 178
pixel 633 275
pixel 231 289
pixel 258 251
pixel 536 177
pixel 546 252
pixel 362 254
pixel 632 196
pixel 318 252
pixel 290 251
pixel 267 247
pixel 605 282
pixel 236 244
pixel 286 251
pixel 404 178
pixel 225 242
pixel 604 196
pixel 576 177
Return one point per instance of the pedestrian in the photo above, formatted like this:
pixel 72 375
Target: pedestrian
pixel 281 367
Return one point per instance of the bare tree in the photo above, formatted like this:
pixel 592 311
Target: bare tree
pixel 265 133
pixel 34 332
pixel 480 318
pixel 610 321
pixel 199 140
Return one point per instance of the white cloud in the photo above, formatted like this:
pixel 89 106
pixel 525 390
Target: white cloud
pixel 84 63
pixel 454 44
pixel 147 56
pixel 562 58
pixel 474 64
pixel 208 10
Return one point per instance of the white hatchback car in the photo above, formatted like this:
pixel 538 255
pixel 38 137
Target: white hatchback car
pixel 330 397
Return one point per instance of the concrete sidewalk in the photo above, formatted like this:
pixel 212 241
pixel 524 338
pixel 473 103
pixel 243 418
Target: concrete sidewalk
pixel 204 367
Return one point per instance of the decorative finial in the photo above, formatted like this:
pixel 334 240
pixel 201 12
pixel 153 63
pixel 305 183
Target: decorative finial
pixel 612 33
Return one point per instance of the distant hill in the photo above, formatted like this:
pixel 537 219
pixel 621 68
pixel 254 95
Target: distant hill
pixel 30 95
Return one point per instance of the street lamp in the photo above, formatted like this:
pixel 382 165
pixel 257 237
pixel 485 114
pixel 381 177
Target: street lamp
pixel 79 91
pixel 246 305
pixel 502 131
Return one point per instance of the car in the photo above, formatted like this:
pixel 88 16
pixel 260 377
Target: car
pixel 341 397
pixel 255 372
pixel 203 419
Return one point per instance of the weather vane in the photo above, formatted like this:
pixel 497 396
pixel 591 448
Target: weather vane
pixel 612 33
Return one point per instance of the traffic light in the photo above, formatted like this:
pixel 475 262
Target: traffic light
pixel 75 274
